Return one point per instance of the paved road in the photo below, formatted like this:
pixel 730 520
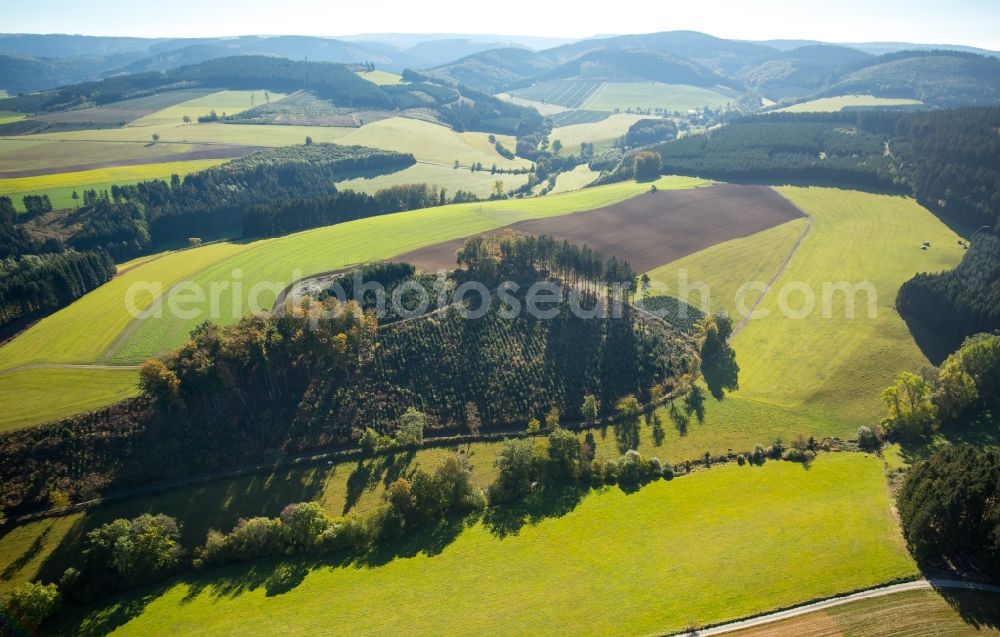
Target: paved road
pixel 844 599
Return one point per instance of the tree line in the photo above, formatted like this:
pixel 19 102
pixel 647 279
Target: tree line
pixel 39 277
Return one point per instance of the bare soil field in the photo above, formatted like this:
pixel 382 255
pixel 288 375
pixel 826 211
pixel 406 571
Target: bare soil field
pixel 651 229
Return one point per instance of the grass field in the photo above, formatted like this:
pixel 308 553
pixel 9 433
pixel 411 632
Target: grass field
pixel 829 104
pixel 98 329
pixel 37 153
pixel 228 102
pixel 480 182
pixel 727 266
pixel 381 77
pixel 431 142
pixel 832 370
pixel 704 548
pixel 60 187
pixel 907 614
pixel 601 134
pixel 841 364
pixel 672 97
pixel 41 394
pixel 569 93
pixel 9 116
pixel 579 177
pixel 542 107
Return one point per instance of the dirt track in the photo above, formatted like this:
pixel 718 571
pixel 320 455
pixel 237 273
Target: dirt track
pixel 651 229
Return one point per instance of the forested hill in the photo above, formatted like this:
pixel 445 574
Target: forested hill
pixel 936 78
pixel 331 81
pixel 234 395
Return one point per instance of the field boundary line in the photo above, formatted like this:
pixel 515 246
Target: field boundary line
pixel 839 600
pixel 20 368
pixel 779 272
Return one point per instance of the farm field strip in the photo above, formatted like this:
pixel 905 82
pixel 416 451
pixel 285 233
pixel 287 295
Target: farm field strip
pixel 124 111
pixel 31 158
pixel 651 95
pixel 839 103
pixel 580 177
pixel 479 182
pixel 568 118
pixel 60 186
pixel 381 77
pixel 781 533
pixel 651 228
pixel 602 133
pixel 542 107
pixel 427 141
pixel 228 102
pixel 569 93
pixel 9 116
pixel 910 613
pixel 40 394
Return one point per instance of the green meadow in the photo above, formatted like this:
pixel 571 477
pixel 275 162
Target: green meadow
pixel 839 103
pixel 715 545
pixel 601 134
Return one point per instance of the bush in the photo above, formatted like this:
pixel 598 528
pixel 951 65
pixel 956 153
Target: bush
pixel 411 428
pixel 128 552
pixel 303 523
pixel 629 407
pixel 32 603
pixel 630 467
pixel 867 439
pixel 564 454
pixel 795 454
pixel 668 471
pixel 256 537
pixel 516 464
pixel 759 455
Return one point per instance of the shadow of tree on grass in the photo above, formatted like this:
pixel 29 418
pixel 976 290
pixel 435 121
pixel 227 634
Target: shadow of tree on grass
pixel 548 502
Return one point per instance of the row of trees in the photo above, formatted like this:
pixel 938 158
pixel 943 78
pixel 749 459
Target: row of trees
pixel 514 256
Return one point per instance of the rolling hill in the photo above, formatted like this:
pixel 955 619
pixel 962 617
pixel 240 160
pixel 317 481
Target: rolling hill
pixel 800 71
pixel 937 78
pixel 493 71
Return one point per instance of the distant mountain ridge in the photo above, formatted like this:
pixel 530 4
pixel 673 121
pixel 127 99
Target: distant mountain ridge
pixel 782 70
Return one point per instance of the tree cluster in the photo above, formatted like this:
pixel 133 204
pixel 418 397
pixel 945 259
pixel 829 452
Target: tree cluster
pixel 948 506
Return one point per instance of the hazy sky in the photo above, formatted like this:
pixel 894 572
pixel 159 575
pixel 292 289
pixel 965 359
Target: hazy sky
pixel 971 22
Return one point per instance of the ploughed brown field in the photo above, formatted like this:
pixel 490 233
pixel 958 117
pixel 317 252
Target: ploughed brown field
pixel 649 230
